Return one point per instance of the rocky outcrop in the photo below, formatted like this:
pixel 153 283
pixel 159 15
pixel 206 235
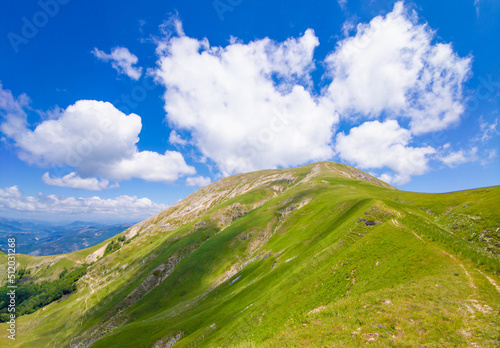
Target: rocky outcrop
pixel 168 341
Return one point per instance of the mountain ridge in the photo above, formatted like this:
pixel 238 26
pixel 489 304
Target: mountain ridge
pixel 279 257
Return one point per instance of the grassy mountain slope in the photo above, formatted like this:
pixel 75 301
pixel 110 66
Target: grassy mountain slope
pixel 321 255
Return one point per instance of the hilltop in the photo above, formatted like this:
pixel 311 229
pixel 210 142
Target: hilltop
pixel 320 255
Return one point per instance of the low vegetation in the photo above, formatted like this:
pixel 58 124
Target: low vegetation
pixel 31 295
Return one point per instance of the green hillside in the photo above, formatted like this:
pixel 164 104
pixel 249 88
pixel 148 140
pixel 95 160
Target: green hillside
pixel 322 255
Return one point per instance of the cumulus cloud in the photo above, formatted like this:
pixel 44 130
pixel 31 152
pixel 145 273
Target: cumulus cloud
pixel 121 60
pixel 74 181
pixel 392 67
pixel 247 106
pixel 95 139
pixel 251 105
pixel 455 158
pixel 152 166
pixel 377 144
pixel 12 199
pixel 199 181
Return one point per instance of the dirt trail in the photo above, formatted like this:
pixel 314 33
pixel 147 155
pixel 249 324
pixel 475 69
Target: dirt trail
pixel 461 265
pixel 72 259
pixel 491 280
pixel 87 279
pixel 471 281
pixel 396 222
pixel 469 277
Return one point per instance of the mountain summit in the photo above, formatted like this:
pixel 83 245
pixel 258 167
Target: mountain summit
pixel 320 255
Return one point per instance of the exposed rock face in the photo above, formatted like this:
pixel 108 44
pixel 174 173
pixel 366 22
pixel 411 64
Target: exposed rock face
pixel 210 196
pixel 155 278
pixel 226 216
pixel 168 341
pixel 96 254
pixel 158 275
pixel 221 191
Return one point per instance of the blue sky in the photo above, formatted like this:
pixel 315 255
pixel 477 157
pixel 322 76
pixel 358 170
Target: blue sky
pixel 114 111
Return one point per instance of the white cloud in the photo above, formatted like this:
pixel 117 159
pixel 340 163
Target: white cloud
pixel 250 106
pixel 175 139
pixel 13 200
pixel 375 145
pixel 74 181
pixel 152 166
pixel 488 130
pixel 474 154
pixel 199 181
pixel 456 158
pixel 95 139
pixel 477 152
pixel 12 110
pixel 391 66
pixel 121 60
pixel 247 106
pixel 349 26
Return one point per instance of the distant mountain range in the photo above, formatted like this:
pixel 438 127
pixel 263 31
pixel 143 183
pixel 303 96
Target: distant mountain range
pixel 40 238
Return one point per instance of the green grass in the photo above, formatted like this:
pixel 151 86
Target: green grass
pixel 276 276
